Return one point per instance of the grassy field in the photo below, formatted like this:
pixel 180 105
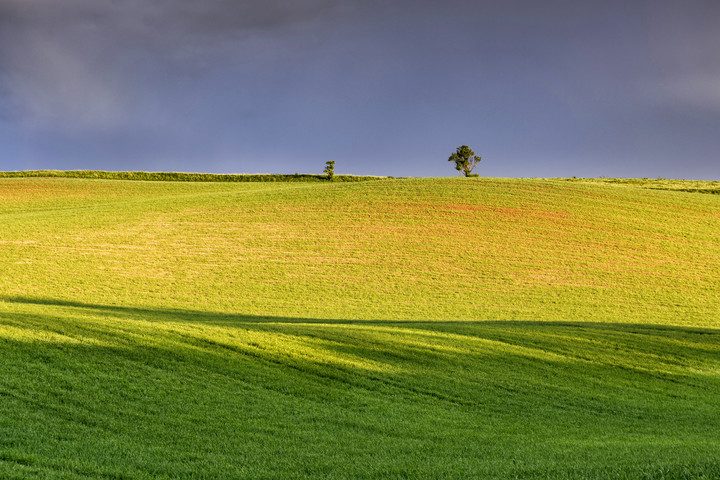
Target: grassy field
pixel 695 186
pixel 399 328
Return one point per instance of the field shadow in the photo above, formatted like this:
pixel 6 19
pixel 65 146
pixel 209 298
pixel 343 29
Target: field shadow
pixel 457 383
pixel 472 364
pixel 229 319
pixel 579 339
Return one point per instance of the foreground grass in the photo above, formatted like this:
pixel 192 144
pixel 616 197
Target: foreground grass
pixel 392 329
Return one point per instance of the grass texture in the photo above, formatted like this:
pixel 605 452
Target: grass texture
pixel 398 328
pixel 696 186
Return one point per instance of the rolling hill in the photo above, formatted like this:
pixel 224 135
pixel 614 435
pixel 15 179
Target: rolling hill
pixel 392 328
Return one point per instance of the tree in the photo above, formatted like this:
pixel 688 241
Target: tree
pixel 465 160
pixel 329 169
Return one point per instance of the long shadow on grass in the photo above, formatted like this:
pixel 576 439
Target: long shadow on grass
pixel 412 345
pixel 220 318
pixel 528 333
pixel 558 371
pixel 172 381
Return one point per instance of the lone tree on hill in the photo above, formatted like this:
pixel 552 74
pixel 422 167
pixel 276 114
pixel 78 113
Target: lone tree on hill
pixel 329 170
pixel 465 160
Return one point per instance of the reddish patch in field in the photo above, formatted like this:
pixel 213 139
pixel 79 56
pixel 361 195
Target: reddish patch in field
pixel 31 189
pixel 507 211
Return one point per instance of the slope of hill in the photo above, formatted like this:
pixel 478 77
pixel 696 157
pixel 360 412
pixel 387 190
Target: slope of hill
pixel 414 328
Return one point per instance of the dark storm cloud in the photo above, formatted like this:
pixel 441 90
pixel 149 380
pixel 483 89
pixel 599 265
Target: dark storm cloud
pixel 215 17
pixel 547 87
pixel 85 62
pixel 684 40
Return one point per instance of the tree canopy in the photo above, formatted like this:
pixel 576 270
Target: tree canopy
pixel 329 169
pixel 465 160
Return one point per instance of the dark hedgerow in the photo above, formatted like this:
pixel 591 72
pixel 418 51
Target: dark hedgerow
pixel 185 177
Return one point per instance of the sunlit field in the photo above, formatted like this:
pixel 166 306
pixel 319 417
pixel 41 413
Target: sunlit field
pixel 397 328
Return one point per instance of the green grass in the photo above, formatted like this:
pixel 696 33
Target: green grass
pixel 414 328
pixel 696 186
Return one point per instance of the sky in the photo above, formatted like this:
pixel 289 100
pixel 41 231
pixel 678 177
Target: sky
pixel 552 88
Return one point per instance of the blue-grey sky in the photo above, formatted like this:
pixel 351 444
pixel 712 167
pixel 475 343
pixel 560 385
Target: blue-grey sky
pixel 627 88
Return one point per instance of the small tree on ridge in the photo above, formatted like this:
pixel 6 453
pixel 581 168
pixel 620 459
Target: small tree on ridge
pixel 465 160
pixel 329 169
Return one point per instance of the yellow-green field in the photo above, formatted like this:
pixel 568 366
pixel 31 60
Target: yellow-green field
pixel 398 328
